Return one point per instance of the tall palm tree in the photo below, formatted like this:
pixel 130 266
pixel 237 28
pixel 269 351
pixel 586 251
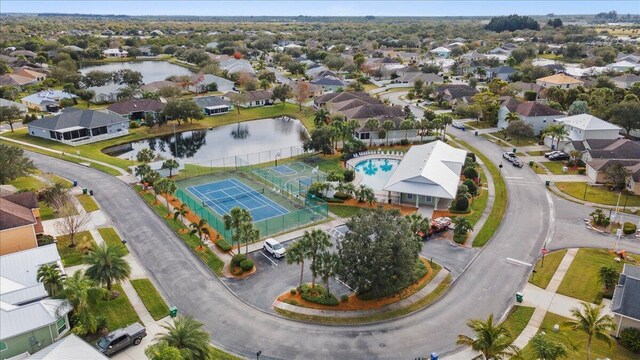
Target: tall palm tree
pixel 201 229
pixel 163 351
pixel 561 133
pixel 512 116
pixel 418 223
pixel 463 226
pixel 547 349
pixel 491 340
pixel 170 164
pixel 83 294
pixel 315 242
pixel 350 189
pixel 590 320
pixel 326 267
pixel 51 277
pixel 187 335
pixel 181 212
pixel 423 127
pixel 235 221
pixel 407 125
pixel 372 125
pixel 446 119
pixel 165 186
pixel 106 265
pixel 321 118
pixel 296 253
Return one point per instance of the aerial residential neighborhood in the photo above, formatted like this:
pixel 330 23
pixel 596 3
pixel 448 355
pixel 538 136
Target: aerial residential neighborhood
pixel 199 180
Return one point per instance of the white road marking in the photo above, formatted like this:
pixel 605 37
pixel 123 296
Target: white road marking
pixel 552 221
pixel 268 258
pixel 513 177
pixel 518 262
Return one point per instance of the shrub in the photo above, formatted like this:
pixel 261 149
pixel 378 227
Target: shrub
pixel 246 264
pixel 472 156
pixel 462 204
pixel 341 196
pixel 470 172
pixel 293 291
pixel 404 142
pixel 344 298
pixel 318 295
pixel 473 189
pixel 335 175
pixel 629 228
pixel 45 240
pixel 630 339
pixel 333 200
pixel 349 175
pixel 223 245
pixel 67 102
pixel 237 259
pixel 582 171
pixel 133 125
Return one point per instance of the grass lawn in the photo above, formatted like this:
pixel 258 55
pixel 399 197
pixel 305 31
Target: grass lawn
pixel 538 169
pixel 151 298
pixel 556 168
pixel 369 87
pixel 119 312
pixel 518 319
pixel 72 256
pixel 28 183
pixel 87 202
pixel 500 202
pixel 219 354
pixel 597 194
pixel 543 274
pixel 326 163
pixel 536 153
pixel 582 280
pixel 478 124
pixel 599 348
pixel 46 211
pixel 207 256
pixel 517 142
pixel 344 211
pixel 111 237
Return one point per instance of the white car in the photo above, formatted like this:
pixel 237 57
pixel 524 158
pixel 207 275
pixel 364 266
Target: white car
pixel 457 125
pixel 274 248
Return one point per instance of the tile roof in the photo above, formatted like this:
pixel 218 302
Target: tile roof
pixel 369 111
pixel 559 79
pixel 532 109
pixel 510 103
pixel 16 210
pixel 618 149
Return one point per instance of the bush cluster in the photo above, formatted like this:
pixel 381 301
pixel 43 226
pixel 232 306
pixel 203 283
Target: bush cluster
pixel 629 228
pixel 318 295
pixel 462 204
pixel 133 125
pixel 470 173
pixel 223 245
pixel 630 339
pixel 404 142
pixel 246 265
pixel 237 259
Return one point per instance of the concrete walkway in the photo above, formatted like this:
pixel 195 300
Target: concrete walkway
pixel 429 288
pixel 89 160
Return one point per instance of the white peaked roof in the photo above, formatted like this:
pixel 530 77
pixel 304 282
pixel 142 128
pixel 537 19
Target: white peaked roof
pixel 441 49
pixel 18 320
pixel 623 64
pixel 69 348
pixel 588 122
pixel 431 170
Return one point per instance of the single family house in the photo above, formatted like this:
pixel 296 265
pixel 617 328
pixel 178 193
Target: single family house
pixel 77 127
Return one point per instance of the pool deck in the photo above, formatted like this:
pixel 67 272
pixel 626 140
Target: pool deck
pixel 371 155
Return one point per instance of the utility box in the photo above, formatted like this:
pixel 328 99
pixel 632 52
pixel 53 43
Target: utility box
pixel 173 311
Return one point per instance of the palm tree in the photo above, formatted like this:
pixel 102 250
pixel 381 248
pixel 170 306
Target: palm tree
pixel 547 349
pixel 418 223
pixel 326 267
pixel 446 120
pixel 423 127
pixel 83 294
pixel 296 253
pixel 235 221
pixel 463 226
pixel 180 213
pixel 388 125
pixel 590 320
pixel 315 242
pixel 187 335
pixel 350 189
pixel 407 125
pixel 165 186
pixel 493 341
pixel 512 116
pixel 201 229
pixel 163 351
pixel 107 266
pixel 365 193
pixel 51 277
pixel 372 125
pixel 170 164
pixel 321 118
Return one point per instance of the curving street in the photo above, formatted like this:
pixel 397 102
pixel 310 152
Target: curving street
pixel 487 286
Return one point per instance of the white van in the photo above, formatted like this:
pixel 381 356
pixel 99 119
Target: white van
pixel 274 248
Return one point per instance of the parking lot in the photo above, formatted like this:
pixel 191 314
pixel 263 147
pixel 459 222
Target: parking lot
pixel 274 277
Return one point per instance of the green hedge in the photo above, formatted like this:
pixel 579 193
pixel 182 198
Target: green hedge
pixel 246 265
pixel 629 228
pixel 630 339
pixel 318 295
pixel 223 245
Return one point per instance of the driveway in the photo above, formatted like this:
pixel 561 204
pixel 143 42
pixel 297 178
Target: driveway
pixel 487 286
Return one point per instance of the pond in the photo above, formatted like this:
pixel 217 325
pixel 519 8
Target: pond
pixel 201 146
pixel 151 71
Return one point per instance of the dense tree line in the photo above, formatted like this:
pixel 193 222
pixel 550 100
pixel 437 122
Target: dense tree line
pixel 512 23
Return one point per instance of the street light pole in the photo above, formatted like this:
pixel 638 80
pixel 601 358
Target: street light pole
pixel 258 354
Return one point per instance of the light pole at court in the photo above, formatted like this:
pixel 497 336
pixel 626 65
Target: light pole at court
pixel 277 156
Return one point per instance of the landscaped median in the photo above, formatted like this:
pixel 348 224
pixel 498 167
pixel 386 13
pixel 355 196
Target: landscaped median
pixel 354 310
pixel 500 198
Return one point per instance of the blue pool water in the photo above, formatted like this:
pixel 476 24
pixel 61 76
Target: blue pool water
pixel 376 172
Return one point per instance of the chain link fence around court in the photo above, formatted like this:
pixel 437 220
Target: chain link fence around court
pixel 304 208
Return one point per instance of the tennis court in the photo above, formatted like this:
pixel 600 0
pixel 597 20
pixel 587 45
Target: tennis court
pixel 224 195
pixel 293 178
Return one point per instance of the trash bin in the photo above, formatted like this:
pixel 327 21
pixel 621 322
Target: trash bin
pixel 91 192
pixel 519 297
pixel 547 183
pixel 530 162
pixel 84 191
pixel 75 182
pixel 475 133
pixel 514 150
pixel 173 311
pixel 434 356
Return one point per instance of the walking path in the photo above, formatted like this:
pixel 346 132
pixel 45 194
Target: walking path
pixel 425 291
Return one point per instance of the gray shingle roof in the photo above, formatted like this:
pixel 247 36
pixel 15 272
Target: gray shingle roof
pixel 206 101
pixel 85 118
pixel 626 298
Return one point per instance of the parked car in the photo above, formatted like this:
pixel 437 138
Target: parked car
pixel 517 163
pixel 550 153
pixel 458 125
pixel 437 225
pixel 561 156
pixel 121 338
pixel 274 248
pixel 509 156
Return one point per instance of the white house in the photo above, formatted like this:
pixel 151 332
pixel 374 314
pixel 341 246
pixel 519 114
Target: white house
pixel 586 127
pixel 623 66
pixel 428 175
pixel 115 53
pixel 46 100
pixel 626 81
pixel 539 116
pixel 440 51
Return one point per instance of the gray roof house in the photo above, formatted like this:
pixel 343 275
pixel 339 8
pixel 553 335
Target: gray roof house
pixel 213 105
pixel 328 83
pixel 30 319
pixel 199 83
pixel 46 98
pixel 501 72
pixel 78 127
pixel 626 299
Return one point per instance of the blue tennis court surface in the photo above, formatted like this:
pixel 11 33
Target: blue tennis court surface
pixel 283 170
pixel 222 196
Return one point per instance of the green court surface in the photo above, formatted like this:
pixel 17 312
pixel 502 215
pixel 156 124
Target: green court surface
pixel 292 178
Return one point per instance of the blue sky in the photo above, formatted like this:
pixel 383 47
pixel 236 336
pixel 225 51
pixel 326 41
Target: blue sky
pixel 322 8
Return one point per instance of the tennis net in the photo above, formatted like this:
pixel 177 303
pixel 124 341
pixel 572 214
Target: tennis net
pixel 234 197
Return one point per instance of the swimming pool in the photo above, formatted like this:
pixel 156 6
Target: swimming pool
pixel 376 172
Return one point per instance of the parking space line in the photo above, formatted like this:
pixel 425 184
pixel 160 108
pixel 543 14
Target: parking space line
pixel 268 258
